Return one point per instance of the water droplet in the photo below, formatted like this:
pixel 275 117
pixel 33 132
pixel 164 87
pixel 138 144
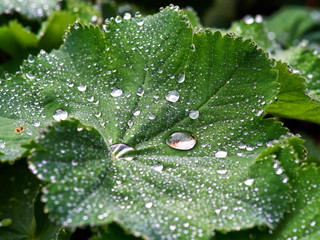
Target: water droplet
pixel 222 171
pixel 259 112
pixel 116 92
pixel 221 154
pixel 172 96
pixel 248 19
pixel 82 88
pixel 172 227
pixel 2 144
pixel 118 19
pixel 36 124
pixel 181 77
pixel 181 140
pixel 140 92
pixel 193 47
pixel 30 75
pixel 60 114
pixel 157 167
pixel 249 181
pixel 119 149
pixel 8 76
pixel 127 16
pixel 148 205
pixel 151 117
pixel 30 59
pixel 136 113
pixel 194 114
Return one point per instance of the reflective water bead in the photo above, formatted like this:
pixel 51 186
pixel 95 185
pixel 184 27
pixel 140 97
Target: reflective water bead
pixel 194 114
pixel 127 16
pixel 172 96
pixel 181 140
pixel 221 154
pixel 157 167
pixel 249 181
pixel 181 78
pixel 82 88
pixel 116 92
pixel 119 149
pixel 60 114
pixel 140 92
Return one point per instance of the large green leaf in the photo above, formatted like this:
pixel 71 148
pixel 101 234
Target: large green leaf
pixel 136 84
pixel 32 9
pixel 19 207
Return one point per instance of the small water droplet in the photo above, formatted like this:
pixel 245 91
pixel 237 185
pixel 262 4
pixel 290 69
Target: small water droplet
pixel 60 114
pixel 172 96
pixel 222 171
pixel 116 92
pixel 249 181
pixel 8 77
pixel 30 75
pixel 181 140
pixel 119 149
pixel 30 59
pixel 149 205
pixel 2 144
pixel 151 117
pixel 140 92
pixel 248 19
pixel 127 16
pixel 36 124
pixel 118 19
pixel 157 167
pixel 82 88
pixel 221 154
pixel 193 47
pixel 181 77
pixel 136 113
pixel 194 114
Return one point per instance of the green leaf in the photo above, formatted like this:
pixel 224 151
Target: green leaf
pixel 291 24
pixel 192 16
pixel 32 9
pixel 304 218
pixel 19 208
pixel 136 84
pixel 292 100
pixel 306 61
pixel 255 29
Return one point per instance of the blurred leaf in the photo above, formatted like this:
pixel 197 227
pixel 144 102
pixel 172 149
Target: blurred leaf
pixel 19 189
pixel 32 9
pixel 291 24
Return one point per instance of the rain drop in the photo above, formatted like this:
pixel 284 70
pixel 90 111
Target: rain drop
pixel 60 114
pixel 221 154
pixel 194 114
pixel 181 141
pixel 181 78
pixel 119 149
pixel 82 88
pixel 249 181
pixel 116 92
pixel 140 92
pixel 172 96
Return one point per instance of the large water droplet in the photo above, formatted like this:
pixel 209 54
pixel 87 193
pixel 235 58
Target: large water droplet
pixel 127 16
pixel 116 92
pixel 30 75
pixel 172 96
pixel 181 140
pixel 194 114
pixel 60 114
pixel 119 149
pixel 249 181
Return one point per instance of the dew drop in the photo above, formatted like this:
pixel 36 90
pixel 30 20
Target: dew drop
pixel 221 154
pixel 119 149
pixel 60 114
pixel 82 88
pixel 181 140
pixel 151 117
pixel 249 181
pixel 2 144
pixel 140 92
pixel 136 113
pixel 148 205
pixel 30 75
pixel 194 114
pixel 30 59
pixel 36 124
pixel 193 47
pixel 116 92
pixel 172 96
pixel 127 16
pixel 248 19
pixel 222 171
pixel 181 78
pixel 157 167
